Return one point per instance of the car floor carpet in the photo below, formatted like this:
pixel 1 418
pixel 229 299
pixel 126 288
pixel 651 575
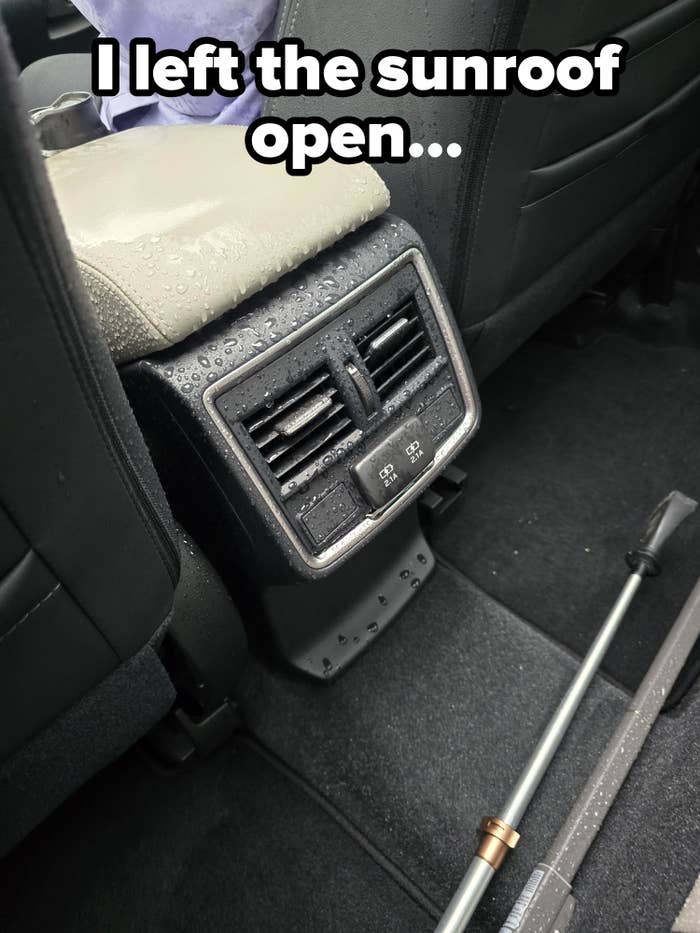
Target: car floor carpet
pixel 369 822
pixel 427 732
pixel 228 844
pixel 575 450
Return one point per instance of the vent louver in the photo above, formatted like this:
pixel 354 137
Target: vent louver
pixel 396 348
pixel 301 428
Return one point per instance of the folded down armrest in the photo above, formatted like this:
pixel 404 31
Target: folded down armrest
pixel 173 226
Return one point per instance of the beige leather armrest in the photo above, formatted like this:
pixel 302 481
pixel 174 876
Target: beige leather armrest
pixel 172 226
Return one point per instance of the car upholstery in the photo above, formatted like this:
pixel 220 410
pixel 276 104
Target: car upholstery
pixel 550 191
pixel 88 558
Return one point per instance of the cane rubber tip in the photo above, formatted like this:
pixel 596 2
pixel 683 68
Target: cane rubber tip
pixel 666 518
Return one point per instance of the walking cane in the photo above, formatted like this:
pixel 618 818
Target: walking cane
pixel 500 833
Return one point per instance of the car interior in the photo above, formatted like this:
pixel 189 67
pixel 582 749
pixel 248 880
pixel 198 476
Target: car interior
pixel 316 490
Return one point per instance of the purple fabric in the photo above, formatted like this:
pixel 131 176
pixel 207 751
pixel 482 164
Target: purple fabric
pixel 175 24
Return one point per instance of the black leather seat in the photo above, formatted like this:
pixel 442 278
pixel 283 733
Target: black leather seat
pixel 552 191
pixel 88 554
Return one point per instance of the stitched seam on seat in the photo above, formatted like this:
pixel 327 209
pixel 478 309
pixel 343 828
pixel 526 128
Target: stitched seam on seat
pixel 31 612
pixel 144 309
pixel 286 30
pixel 480 205
pixel 458 212
pixel 505 280
pixel 482 187
pixel 128 302
pixel 591 171
pixel 516 226
pixel 31 550
pixel 49 566
pixel 620 32
pixel 655 45
pixel 649 116
pixel 294 17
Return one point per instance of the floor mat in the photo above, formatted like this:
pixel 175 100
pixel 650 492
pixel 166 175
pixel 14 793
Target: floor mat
pixel 427 732
pixel 575 450
pixel 230 844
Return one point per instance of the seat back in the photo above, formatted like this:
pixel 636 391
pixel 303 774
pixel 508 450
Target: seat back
pixel 88 560
pixel 550 192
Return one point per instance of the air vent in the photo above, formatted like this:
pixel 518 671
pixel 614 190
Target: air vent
pixel 301 428
pixel 396 349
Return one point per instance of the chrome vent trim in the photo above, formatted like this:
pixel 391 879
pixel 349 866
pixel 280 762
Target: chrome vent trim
pixel 466 385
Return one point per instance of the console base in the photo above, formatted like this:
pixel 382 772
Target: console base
pixel 319 628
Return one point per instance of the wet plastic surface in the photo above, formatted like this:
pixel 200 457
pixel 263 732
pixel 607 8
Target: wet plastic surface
pixel 168 390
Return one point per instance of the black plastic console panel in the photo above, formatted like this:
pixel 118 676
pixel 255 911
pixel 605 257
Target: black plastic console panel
pixel 280 419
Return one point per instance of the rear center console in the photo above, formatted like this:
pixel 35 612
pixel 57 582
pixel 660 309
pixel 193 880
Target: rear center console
pixel 343 420
pixel 293 363
pixel 293 431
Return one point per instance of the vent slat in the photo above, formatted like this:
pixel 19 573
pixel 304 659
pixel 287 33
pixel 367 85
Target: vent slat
pixel 407 369
pixel 314 447
pixel 263 438
pixel 377 373
pixel 294 479
pixel 395 349
pixel 411 328
pixel 288 400
pixel 301 428
pixel 281 448
pixel 405 310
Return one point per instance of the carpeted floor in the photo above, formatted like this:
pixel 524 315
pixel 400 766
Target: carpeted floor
pixel 230 844
pixel 424 736
pixel 576 449
pixel 392 768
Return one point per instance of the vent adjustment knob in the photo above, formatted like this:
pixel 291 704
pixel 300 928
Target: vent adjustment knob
pixel 364 390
